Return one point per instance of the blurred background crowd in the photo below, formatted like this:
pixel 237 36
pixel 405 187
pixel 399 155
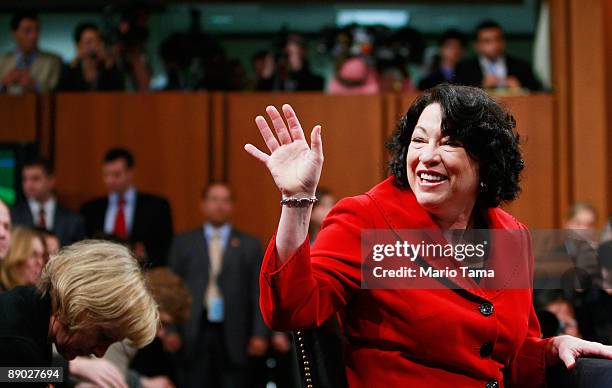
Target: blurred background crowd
pixel 116 53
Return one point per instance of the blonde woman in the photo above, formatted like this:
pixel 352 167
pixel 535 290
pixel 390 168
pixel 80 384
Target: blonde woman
pixel 91 294
pixel 152 366
pixel 25 259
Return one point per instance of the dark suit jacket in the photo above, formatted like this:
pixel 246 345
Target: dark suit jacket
pixel 469 73
pixel 24 326
pixel 587 373
pixel 152 224
pixel 238 283
pixel 432 79
pixel 67 225
pixel 109 79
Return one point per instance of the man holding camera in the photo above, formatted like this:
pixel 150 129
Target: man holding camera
pixel 92 69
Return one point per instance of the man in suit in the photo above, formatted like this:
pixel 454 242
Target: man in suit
pixel 220 266
pixel 28 68
pixel 493 68
pixel 41 209
pixel 143 220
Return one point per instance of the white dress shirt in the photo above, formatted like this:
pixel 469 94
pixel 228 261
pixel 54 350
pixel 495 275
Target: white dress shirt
pixel 48 207
pixel 497 68
pixel 128 210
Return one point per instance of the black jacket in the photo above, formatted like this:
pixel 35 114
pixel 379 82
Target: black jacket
pixel 469 73
pixel 109 79
pixel 24 327
pixel 67 225
pixel 432 79
pixel 152 224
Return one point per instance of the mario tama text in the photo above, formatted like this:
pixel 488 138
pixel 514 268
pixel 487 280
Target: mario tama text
pixel 433 273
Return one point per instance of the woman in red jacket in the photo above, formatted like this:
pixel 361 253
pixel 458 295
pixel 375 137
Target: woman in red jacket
pixel 455 159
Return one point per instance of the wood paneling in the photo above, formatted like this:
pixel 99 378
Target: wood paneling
pixel 218 137
pixel 607 17
pixel 589 139
pixel 46 123
pixel 182 140
pixel 561 78
pixel 581 48
pixel 167 132
pixel 537 204
pixel 352 128
pixel 18 118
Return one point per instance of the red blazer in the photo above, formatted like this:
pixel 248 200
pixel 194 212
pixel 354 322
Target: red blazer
pixel 403 337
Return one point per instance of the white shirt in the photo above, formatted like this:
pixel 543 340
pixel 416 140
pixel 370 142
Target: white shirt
pixel 497 68
pixel 48 207
pixel 224 231
pixel 128 210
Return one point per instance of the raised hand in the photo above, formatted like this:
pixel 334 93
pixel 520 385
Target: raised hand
pixel 295 166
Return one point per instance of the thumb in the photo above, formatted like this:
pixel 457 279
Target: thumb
pixel 568 358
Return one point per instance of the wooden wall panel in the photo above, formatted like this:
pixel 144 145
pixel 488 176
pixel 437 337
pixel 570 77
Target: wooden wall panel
pixel 181 141
pixel 46 122
pixel 18 118
pixel 607 16
pixel 589 140
pixel 218 138
pixel 167 132
pixel 537 205
pixel 352 135
pixel 561 77
pixel 392 115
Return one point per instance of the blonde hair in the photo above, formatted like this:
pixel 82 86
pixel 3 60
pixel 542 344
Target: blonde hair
pixel 20 251
pixel 96 283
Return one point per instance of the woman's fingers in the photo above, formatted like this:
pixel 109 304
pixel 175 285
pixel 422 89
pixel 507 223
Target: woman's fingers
pixel 266 133
pixel 567 356
pixel 256 153
pixel 295 129
pixel 316 143
pixel 598 350
pixel 279 125
pixel 568 353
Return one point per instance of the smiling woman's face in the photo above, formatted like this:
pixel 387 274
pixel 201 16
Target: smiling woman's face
pixel 443 177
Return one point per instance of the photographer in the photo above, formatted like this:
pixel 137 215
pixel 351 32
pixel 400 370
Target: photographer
pixel 93 68
pixel 128 47
pixel 290 70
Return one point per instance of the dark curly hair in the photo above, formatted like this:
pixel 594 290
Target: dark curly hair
pixel 482 125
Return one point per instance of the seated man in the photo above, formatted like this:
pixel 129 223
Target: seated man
pixel 493 68
pixel 28 68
